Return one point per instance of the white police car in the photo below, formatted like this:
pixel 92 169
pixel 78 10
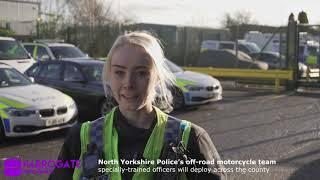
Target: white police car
pixel 29 109
pixel 193 88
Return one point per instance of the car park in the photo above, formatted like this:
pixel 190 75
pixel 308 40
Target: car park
pixel 43 50
pixel 29 109
pixel 193 88
pixel 13 54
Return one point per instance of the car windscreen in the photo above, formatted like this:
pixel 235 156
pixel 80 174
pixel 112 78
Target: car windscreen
pixel 12 50
pixel 10 77
pixel 67 52
pixel 93 71
pixel 173 67
pixel 253 47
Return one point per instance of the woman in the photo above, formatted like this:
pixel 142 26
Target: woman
pixel 135 130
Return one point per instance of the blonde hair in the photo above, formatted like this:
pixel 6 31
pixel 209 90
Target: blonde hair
pixel 152 46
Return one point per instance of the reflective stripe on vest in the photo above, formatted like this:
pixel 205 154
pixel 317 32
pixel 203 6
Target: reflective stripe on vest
pixel 175 131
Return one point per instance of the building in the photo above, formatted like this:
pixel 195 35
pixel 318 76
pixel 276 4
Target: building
pixel 20 16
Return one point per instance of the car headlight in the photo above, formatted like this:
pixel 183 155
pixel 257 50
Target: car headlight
pixel 19 112
pixel 193 88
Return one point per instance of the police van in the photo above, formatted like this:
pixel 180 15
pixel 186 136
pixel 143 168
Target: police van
pixel 14 54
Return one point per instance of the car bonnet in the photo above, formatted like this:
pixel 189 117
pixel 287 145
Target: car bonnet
pixel 33 97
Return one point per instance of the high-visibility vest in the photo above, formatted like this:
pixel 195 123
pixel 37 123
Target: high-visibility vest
pixel 167 130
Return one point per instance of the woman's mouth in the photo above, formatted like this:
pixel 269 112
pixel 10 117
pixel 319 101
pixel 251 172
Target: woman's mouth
pixel 129 97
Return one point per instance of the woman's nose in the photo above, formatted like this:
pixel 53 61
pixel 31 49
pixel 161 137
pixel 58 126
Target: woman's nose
pixel 129 81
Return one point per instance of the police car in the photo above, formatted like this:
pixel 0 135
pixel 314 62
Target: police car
pixel 13 54
pixel 29 109
pixel 43 50
pixel 193 88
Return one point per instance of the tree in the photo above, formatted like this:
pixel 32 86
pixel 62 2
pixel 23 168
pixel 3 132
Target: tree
pixel 302 18
pixel 6 32
pixel 238 18
pixel 91 12
pixel 236 23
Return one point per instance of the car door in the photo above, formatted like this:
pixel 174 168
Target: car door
pixel 51 75
pixel 75 84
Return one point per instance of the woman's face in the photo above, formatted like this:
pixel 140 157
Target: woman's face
pixel 132 77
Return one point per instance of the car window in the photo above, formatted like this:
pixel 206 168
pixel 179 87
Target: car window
pixel 51 71
pixel 173 67
pixel 72 73
pixel 41 52
pixel 226 46
pixel 10 77
pixel 33 71
pixel 67 52
pixel 12 50
pixel 243 48
pixel 29 48
pixel 93 72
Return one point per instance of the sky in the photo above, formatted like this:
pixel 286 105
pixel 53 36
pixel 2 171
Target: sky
pixel 210 12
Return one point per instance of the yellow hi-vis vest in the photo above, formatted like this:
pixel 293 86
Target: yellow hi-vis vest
pixel 167 128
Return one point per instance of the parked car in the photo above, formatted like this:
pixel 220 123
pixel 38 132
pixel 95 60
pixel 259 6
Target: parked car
pixel 28 109
pixel 51 50
pixel 272 58
pixel 80 79
pixel 244 46
pixel 13 54
pixel 193 88
pixel 275 62
pixel 227 58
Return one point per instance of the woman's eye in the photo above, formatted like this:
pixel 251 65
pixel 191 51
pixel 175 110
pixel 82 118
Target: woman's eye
pixel 119 73
pixel 142 73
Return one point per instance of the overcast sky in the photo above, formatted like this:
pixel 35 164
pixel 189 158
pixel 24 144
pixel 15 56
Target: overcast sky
pixel 210 12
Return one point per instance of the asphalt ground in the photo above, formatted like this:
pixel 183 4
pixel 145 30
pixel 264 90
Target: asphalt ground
pixel 247 124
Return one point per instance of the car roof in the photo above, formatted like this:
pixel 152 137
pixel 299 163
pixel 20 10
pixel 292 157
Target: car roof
pixel 79 61
pixel 60 44
pixel 7 38
pixel 50 44
pixel 84 61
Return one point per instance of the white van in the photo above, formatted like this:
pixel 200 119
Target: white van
pixel 244 46
pixel 13 54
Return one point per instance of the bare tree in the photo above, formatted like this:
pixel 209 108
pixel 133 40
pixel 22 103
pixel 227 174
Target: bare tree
pixel 237 18
pixel 91 12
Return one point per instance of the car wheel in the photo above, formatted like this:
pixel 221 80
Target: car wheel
pixel 178 98
pixel 106 106
pixel 2 134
